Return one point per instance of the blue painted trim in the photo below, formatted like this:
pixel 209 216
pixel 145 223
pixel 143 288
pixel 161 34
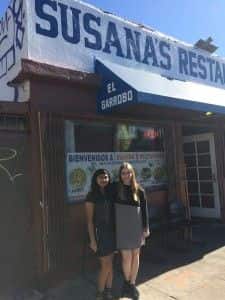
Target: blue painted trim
pixel 5 57
pixel 3 38
pixel 179 103
pixel 16 94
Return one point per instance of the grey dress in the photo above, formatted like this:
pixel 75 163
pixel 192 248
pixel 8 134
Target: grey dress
pixel 131 218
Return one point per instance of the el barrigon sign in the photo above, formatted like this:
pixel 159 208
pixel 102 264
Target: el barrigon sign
pixel 71 34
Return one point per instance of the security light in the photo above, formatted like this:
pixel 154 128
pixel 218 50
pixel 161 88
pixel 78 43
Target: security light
pixel 208 113
pixel 206 45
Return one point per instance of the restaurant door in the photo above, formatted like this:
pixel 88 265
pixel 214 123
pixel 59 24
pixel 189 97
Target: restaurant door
pixel 200 161
pixel 16 260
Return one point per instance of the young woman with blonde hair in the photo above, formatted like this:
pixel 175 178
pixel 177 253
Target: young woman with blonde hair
pixel 131 226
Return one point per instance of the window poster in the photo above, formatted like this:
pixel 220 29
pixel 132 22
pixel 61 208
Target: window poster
pixel 150 169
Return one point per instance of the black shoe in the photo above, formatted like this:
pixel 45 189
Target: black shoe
pixel 134 293
pixel 108 294
pixel 125 292
pixel 99 296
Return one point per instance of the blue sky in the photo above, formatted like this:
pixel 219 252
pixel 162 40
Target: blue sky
pixel 187 20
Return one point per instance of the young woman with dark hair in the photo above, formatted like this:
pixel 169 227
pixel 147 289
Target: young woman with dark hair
pixel 131 226
pixel 100 219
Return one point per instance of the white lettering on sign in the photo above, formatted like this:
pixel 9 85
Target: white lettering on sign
pixel 117 100
pixel 111 88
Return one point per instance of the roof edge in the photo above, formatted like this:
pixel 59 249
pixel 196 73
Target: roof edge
pixel 36 70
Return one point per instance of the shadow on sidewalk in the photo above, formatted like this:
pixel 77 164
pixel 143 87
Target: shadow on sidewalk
pixel 157 260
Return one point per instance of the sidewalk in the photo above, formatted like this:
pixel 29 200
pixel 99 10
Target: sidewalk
pixel 196 273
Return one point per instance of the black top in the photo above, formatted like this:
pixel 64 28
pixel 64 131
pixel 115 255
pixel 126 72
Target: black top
pixel 103 209
pixel 129 200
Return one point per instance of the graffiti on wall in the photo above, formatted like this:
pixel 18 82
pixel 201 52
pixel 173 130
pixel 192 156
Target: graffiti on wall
pixel 6 155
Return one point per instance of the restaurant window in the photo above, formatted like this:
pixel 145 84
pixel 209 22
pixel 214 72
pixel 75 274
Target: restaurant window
pixel 87 145
pixel 130 138
pixel 90 146
pixel 147 146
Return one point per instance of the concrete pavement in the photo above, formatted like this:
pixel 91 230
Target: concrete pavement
pixel 179 272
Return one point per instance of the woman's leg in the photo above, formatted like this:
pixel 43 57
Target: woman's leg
pixel 105 273
pixel 133 292
pixel 126 263
pixel 110 274
pixel 134 265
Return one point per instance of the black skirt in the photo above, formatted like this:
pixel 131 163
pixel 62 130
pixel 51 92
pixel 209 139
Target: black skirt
pixel 105 238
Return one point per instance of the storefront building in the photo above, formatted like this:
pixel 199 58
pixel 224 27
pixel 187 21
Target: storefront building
pixel 81 88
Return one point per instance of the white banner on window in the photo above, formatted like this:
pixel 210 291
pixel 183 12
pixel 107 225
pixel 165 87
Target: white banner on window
pixel 149 167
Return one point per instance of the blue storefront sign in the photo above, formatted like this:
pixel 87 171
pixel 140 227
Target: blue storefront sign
pixel 125 86
pixel 114 91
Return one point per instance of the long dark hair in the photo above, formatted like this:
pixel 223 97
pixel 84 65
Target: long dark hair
pixel 95 189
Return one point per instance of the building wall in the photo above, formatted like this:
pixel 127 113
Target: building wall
pixel 17 254
pixel 63 225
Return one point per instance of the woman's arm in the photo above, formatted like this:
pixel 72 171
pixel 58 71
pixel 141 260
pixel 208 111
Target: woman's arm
pixel 89 207
pixel 144 211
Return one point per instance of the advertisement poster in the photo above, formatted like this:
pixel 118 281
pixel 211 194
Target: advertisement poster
pixel 149 168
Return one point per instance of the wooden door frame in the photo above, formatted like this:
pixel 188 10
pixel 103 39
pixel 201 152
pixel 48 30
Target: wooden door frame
pixel 210 137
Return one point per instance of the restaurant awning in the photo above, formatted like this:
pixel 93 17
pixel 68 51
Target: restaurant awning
pixel 122 85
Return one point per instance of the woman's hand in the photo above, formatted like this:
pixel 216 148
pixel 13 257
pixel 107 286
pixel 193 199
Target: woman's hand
pixel 93 246
pixel 146 233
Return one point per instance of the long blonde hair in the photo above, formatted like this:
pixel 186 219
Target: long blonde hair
pixel 134 185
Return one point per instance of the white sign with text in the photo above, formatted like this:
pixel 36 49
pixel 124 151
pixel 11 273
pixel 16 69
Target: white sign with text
pixel 71 34
pixel 149 168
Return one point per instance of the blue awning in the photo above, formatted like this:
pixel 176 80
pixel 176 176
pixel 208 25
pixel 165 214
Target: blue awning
pixel 122 85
